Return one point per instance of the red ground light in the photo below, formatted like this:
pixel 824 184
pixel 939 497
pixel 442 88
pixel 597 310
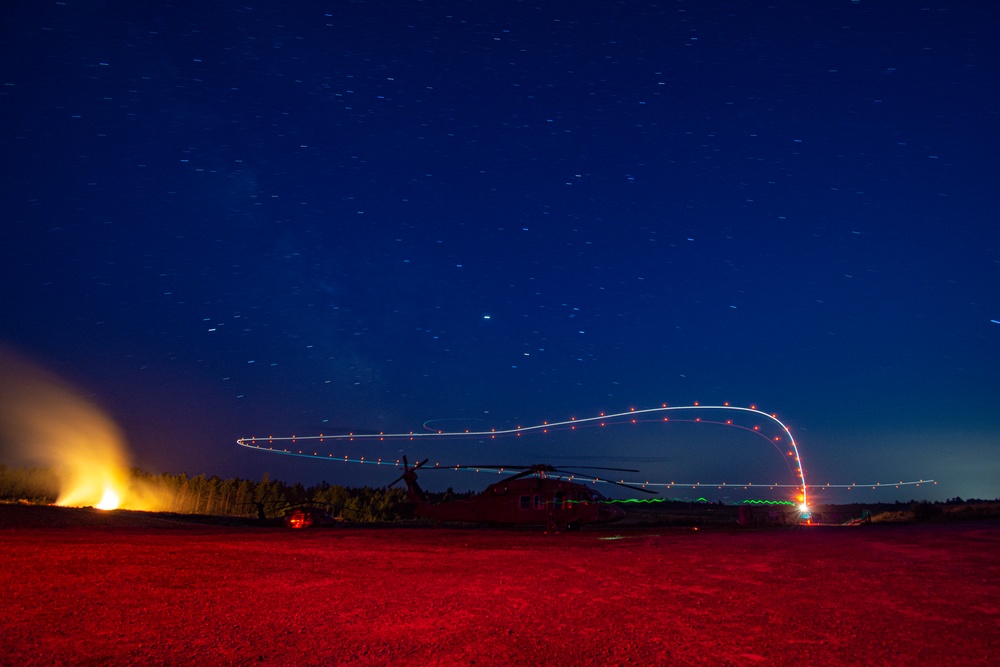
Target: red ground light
pixel 127 594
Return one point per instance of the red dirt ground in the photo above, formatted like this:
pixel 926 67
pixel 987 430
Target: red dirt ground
pixel 120 592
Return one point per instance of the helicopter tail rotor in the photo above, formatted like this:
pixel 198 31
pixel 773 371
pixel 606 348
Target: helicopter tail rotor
pixel 407 471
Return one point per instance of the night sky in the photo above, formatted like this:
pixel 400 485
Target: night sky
pixel 223 220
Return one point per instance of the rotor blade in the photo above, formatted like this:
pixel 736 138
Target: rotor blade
pixel 597 468
pixel 484 467
pixel 630 486
pixel 591 478
pixel 407 469
pixel 523 473
pixel 537 467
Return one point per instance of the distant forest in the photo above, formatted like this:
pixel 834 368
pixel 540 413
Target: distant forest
pixel 246 498
pixel 224 497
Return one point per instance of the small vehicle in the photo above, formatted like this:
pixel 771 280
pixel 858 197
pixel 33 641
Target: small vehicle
pixel 294 515
pixel 306 515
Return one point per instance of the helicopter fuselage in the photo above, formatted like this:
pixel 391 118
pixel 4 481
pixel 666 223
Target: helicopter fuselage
pixel 554 502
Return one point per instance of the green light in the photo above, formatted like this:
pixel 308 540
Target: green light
pixel 636 500
pixel 652 500
pixel 768 502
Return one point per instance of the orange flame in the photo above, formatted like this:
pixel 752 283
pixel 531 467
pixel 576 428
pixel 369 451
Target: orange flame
pixel 46 422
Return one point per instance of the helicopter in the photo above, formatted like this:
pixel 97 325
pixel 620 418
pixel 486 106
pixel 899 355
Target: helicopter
pixel 538 494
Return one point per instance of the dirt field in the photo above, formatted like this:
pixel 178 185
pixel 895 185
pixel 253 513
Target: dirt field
pixel 96 588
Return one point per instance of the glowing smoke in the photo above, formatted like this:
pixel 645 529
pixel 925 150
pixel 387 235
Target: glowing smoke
pixel 46 422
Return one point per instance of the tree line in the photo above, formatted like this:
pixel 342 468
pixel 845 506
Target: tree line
pixel 184 494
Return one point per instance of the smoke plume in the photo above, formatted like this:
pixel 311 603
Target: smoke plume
pixel 46 422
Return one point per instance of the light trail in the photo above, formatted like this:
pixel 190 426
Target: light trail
pixel 267 444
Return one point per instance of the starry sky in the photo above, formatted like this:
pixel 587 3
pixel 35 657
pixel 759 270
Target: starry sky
pixel 236 219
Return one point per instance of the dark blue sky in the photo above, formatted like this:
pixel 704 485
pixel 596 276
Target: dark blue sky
pixel 224 220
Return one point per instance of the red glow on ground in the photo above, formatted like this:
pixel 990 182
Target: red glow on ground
pixel 363 596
